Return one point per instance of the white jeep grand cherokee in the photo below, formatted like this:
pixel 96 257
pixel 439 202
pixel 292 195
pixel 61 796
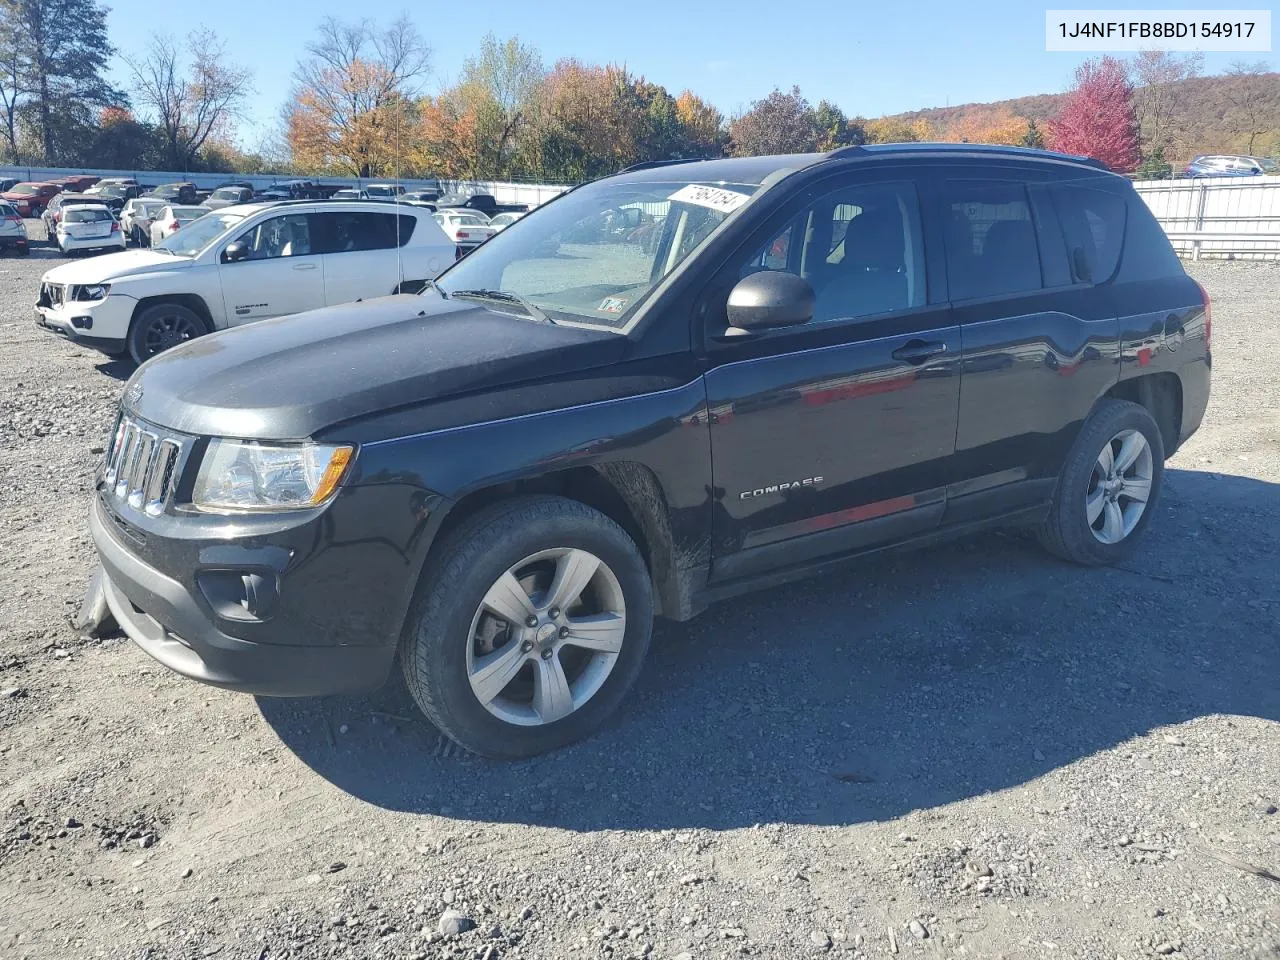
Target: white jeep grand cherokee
pixel 239 264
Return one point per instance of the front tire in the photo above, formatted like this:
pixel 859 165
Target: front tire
pixel 160 327
pixel 531 624
pixel 1108 487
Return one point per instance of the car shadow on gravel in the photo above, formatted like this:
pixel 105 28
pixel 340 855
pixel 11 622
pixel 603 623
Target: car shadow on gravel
pixel 897 684
pixel 116 368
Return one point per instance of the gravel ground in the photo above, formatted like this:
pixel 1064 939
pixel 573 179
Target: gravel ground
pixel 971 752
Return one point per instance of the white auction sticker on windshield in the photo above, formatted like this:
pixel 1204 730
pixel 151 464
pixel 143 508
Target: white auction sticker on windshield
pixel 726 201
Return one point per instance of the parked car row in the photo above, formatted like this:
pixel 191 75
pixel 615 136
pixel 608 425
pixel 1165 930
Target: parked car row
pixel 1231 166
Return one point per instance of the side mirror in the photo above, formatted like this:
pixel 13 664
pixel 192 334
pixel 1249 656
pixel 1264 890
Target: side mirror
pixel 235 252
pixel 769 299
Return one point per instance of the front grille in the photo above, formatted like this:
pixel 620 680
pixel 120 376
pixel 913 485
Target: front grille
pixel 142 467
pixel 52 294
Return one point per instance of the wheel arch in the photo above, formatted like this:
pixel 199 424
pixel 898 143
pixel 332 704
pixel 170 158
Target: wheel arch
pixel 626 492
pixel 1161 394
pixel 192 301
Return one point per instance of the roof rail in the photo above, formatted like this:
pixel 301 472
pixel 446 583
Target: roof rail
pixel 936 146
pixel 650 164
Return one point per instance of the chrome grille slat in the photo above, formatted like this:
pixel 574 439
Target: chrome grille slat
pixel 142 468
pixel 142 464
pixel 127 450
pixel 159 483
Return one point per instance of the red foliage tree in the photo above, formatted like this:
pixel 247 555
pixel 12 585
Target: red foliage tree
pixel 1098 119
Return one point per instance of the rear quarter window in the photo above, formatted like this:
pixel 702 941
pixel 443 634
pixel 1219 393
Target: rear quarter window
pixel 1093 224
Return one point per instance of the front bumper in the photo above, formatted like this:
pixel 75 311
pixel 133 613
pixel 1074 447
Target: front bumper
pixel 162 617
pixel 101 324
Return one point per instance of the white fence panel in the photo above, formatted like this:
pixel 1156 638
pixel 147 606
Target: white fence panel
pixel 1224 218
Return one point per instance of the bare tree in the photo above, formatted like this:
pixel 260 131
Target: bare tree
pixel 1246 94
pixel 350 90
pixel 1153 74
pixel 190 102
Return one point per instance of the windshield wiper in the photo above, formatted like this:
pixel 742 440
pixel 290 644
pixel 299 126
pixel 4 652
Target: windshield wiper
pixel 502 296
pixel 432 285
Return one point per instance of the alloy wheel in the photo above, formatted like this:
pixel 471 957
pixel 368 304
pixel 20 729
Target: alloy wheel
pixel 168 330
pixel 546 636
pixel 1119 486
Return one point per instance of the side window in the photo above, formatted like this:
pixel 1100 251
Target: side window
pixel 990 239
pixel 287 236
pixel 860 247
pixel 357 231
pixel 1093 227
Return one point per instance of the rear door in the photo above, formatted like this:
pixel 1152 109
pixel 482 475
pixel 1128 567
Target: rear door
pixel 1041 339
pixel 362 253
pixel 836 434
pixel 282 275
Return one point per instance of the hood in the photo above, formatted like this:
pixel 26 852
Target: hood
pixel 291 377
pixel 115 266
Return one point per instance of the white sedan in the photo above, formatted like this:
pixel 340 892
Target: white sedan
pixel 171 219
pixel 504 220
pixel 136 219
pixel 88 227
pixel 467 228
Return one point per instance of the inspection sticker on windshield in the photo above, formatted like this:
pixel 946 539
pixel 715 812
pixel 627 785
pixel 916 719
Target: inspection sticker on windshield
pixel 612 305
pixel 726 201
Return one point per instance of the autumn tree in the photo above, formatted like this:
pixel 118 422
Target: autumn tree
pixel 898 130
pixel 1249 115
pixel 702 125
pixel 122 142
pixel 1097 118
pixel 996 125
pixel 1154 75
pixel 778 123
pixel 192 98
pixel 354 99
pixel 451 140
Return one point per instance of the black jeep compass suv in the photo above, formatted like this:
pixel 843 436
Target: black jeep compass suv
pixel 659 390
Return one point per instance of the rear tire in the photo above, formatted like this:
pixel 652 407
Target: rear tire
pixel 1108 488
pixel 540 677
pixel 160 327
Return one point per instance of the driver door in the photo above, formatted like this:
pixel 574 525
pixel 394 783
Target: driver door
pixel 837 434
pixel 280 276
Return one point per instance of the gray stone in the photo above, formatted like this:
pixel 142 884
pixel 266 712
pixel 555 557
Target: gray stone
pixel 918 930
pixel 453 923
pixel 820 940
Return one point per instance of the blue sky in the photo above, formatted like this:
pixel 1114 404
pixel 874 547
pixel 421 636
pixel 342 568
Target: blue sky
pixel 871 59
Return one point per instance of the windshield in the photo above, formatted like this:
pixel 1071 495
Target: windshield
pixel 227 193
pixel 191 240
pixel 88 216
pixel 593 255
pixel 1269 166
pixel 188 213
pixel 375 191
pixel 108 191
pixel 25 189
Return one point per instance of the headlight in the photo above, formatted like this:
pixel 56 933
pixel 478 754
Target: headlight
pixel 247 475
pixel 92 291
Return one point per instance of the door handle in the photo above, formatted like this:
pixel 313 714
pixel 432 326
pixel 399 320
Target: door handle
pixel 304 266
pixel 918 351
